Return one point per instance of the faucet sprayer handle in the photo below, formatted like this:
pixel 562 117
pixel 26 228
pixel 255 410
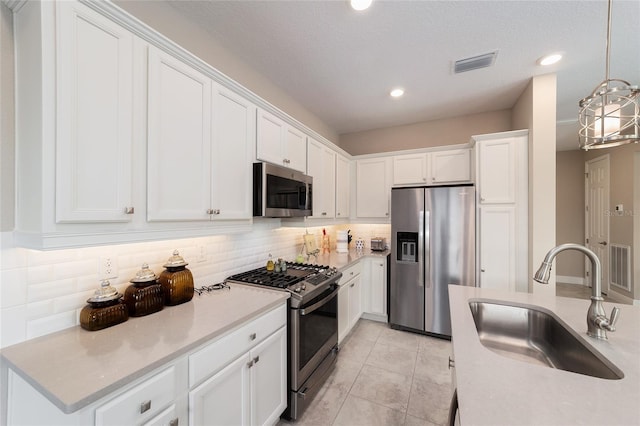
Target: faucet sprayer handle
pixel 615 314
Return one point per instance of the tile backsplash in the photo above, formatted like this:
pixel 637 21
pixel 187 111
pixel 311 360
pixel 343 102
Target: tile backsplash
pixel 43 291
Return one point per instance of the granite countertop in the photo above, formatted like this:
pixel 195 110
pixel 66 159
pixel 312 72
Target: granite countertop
pixel 343 260
pixel 75 367
pixel 495 390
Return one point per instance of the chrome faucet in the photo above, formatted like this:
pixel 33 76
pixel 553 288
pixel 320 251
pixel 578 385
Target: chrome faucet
pixel 597 321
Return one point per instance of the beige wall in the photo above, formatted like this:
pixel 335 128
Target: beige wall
pixel 536 110
pixel 7 137
pixel 449 131
pixel 621 191
pixel 168 21
pixel 570 211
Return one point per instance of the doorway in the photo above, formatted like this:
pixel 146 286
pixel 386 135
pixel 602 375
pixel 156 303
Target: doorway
pixel 597 212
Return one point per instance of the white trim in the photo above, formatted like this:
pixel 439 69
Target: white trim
pixel 635 277
pixel 621 298
pixel 14 5
pixel 566 279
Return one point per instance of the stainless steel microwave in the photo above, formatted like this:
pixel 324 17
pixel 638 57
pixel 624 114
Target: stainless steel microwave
pixel 280 192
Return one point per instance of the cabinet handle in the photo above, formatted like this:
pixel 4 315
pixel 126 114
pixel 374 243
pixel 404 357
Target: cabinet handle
pixel 382 264
pixel 452 363
pixel 209 211
pixel 352 284
pixel 129 210
pixel 387 214
pixel 145 406
pixel 481 270
pixel 324 213
pixel 424 179
pixel 252 336
pixel 256 359
pixel 482 199
pixel 174 422
pixel 216 211
pixel 250 364
pixel 338 214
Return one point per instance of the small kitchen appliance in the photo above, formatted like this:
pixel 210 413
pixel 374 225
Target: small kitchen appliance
pixel 312 325
pixel 378 244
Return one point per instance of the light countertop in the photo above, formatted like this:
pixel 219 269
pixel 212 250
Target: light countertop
pixel 495 390
pixel 75 367
pixel 343 260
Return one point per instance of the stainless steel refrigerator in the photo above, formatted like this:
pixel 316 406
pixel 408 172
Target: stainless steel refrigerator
pixel 432 246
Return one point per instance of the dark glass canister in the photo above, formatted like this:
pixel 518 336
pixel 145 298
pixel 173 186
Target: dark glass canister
pixel 104 309
pixel 176 281
pixel 145 295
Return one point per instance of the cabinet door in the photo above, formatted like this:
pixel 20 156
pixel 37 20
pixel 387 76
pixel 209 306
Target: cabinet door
pixel 179 146
pixel 497 247
pixel 315 169
pixel 329 181
pixel 295 150
pixel 497 171
pixel 377 287
pixel 94 117
pixel 344 321
pixel 355 301
pixel 343 187
pixel 451 166
pixel 224 399
pixel 233 136
pixel 269 379
pixel 270 138
pixel 410 169
pixel 372 197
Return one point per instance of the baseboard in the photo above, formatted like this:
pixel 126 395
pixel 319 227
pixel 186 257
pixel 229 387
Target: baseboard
pixel 622 298
pixel 565 279
pixel 374 317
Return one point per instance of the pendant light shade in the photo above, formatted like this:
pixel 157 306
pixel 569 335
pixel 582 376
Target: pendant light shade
pixel 610 115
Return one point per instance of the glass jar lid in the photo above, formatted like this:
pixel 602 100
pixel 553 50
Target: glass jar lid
pixel 175 260
pixel 144 275
pixel 105 293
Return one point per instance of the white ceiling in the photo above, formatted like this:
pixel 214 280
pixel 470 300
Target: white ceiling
pixel 341 64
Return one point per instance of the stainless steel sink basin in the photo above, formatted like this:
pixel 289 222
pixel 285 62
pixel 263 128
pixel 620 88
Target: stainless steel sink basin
pixel 529 334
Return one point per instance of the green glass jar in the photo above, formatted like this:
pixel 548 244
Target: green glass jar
pixel 176 281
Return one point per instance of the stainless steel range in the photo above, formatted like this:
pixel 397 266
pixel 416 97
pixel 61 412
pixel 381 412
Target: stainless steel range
pixel 313 325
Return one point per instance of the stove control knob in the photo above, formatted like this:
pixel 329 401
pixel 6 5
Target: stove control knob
pixel 304 287
pixel 297 289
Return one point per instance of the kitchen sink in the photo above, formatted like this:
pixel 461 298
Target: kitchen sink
pixel 529 334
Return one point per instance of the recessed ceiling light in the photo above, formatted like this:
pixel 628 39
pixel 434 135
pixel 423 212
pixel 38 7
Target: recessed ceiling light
pixel 360 4
pixel 550 59
pixel 396 93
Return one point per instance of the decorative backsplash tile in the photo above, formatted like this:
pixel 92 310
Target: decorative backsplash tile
pixel 43 291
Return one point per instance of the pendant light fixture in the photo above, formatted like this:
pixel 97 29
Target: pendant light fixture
pixel 610 115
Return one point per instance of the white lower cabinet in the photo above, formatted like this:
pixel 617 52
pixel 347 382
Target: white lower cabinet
pixel 375 289
pixel 349 300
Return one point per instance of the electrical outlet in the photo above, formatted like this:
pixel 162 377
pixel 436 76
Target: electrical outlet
pixel 202 254
pixel 107 267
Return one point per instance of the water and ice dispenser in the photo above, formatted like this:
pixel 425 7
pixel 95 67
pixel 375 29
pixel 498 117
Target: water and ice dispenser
pixel 407 250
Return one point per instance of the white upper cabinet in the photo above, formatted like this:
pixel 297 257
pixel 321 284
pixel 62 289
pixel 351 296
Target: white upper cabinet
pixel 497 164
pixel 343 187
pixel 94 69
pixel 179 144
pixel 373 188
pixel 432 168
pixel 233 136
pixel 322 167
pixel 279 143
pixel 451 166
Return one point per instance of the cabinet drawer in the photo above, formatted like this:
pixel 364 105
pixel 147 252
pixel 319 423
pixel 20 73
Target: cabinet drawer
pixel 216 355
pixel 351 271
pixel 168 417
pixel 140 403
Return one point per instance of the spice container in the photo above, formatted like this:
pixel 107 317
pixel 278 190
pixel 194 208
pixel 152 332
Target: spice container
pixel 145 295
pixel 176 281
pixel 104 309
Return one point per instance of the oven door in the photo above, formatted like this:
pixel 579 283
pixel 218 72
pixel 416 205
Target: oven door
pixel 314 333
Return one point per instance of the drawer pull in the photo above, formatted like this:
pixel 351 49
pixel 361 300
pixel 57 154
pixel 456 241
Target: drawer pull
pixel 252 336
pixel 174 422
pixel 145 406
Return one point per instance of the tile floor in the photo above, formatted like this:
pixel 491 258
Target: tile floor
pixel 385 377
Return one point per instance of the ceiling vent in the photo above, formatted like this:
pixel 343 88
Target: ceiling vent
pixel 474 63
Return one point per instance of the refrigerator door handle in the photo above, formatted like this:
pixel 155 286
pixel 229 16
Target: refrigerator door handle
pixel 421 249
pixel 427 249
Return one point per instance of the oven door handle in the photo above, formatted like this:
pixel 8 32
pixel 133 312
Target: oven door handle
pixel 317 305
